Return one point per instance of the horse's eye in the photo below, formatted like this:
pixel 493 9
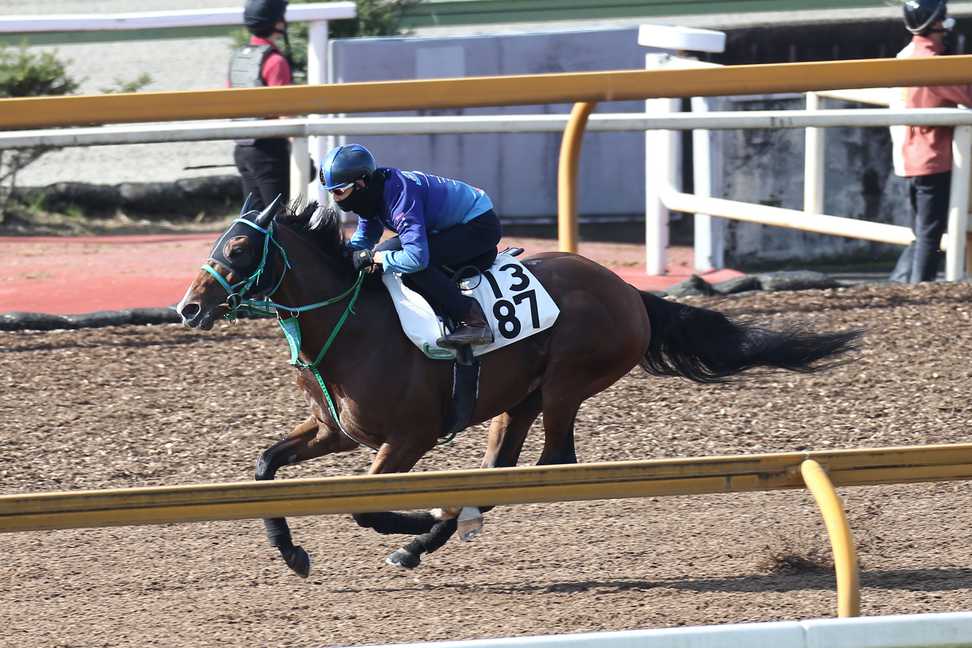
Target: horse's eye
pixel 236 252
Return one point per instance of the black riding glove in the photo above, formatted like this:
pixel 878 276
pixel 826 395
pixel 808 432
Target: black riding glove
pixel 364 260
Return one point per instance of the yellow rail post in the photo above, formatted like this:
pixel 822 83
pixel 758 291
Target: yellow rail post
pixel 841 538
pixel 570 148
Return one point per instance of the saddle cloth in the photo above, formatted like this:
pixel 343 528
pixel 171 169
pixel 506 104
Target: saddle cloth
pixel 515 303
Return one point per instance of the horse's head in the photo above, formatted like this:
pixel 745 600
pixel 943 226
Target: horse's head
pixel 238 267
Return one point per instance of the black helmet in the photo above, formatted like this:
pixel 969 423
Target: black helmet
pixel 260 16
pixel 920 15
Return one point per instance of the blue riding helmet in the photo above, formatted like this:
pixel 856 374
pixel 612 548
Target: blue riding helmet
pixel 344 164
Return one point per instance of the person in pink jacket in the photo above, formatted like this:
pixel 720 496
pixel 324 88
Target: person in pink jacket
pixel 926 151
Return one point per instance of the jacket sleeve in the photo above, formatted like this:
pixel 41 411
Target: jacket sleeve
pixel 276 70
pixel 368 232
pixel 408 215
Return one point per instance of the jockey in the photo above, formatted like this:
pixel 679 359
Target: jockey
pixel 442 226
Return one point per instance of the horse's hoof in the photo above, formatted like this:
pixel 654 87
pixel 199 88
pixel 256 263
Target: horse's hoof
pixel 403 558
pixel 299 561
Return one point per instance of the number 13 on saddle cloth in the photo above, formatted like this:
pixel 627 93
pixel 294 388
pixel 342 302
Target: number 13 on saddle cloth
pixel 516 305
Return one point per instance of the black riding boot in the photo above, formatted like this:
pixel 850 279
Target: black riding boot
pixel 474 330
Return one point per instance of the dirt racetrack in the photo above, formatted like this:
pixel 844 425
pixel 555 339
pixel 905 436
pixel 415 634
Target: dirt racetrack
pixel 159 405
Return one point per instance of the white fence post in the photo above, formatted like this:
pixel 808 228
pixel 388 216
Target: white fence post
pixel 814 163
pixel 299 157
pixel 316 75
pixel 958 206
pixel 708 242
pixel 661 169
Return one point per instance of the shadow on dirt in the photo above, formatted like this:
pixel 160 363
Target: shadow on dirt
pixel 915 580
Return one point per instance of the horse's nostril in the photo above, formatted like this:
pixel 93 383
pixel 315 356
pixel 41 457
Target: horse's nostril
pixel 189 311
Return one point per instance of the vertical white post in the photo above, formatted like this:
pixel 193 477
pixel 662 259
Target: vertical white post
pixel 661 156
pixel 708 250
pixel 298 168
pixel 813 165
pixel 958 206
pixel 317 75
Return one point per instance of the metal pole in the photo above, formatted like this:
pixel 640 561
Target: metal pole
pixel 708 243
pixel 317 73
pixel 299 169
pixel 814 163
pixel 841 538
pixel 570 148
pixel 661 173
pixel 958 206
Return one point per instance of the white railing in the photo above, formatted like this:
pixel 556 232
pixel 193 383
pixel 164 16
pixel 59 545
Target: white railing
pixel 952 630
pixel 128 21
pixel 660 169
pixel 316 14
pixel 306 127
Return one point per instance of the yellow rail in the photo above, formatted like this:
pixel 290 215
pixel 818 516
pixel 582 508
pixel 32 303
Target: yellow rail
pixel 39 112
pixel 164 504
pixel 567 228
pixel 841 538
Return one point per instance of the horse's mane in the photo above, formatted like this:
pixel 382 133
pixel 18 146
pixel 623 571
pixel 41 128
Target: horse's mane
pixel 321 226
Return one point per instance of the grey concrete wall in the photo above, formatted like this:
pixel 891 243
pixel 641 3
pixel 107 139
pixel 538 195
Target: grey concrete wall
pixel 766 166
pixel 519 171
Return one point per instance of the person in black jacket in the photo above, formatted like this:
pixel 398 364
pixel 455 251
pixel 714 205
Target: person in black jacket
pixel 264 164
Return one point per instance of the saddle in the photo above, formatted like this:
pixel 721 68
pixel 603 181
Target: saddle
pixel 516 306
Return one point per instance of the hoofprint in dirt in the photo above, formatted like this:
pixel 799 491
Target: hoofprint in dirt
pixel 134 406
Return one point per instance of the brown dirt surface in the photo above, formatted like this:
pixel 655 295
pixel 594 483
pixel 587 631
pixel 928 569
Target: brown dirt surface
pixel 132 406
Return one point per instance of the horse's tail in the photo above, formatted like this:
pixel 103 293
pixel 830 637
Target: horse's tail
pixel 707 347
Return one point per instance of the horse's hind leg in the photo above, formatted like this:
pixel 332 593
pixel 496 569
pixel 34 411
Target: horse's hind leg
pixel 398 458
pixel 508 431
pixel 559 414
pixel 303 443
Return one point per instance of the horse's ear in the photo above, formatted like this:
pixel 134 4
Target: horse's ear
pixel 267 214
pixel 246 204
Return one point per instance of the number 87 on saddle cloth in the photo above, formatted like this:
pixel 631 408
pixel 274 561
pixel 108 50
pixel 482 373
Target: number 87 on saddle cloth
pixel 515 303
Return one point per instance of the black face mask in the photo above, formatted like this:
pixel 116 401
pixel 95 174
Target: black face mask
pixel 365 201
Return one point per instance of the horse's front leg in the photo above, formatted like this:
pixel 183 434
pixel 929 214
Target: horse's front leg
pixel 307 441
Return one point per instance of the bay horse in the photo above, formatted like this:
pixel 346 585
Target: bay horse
pixel 367 384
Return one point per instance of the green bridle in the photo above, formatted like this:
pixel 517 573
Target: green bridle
pixel 235 293
pixel 236 299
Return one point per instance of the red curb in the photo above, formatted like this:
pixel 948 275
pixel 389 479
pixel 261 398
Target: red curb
pixel 72 275
pixel 643 281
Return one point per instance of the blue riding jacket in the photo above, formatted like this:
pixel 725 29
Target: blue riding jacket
pixel 417 205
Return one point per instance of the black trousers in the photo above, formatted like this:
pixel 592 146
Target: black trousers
pixel 929 197
pixel 468 244
pixel 264 167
